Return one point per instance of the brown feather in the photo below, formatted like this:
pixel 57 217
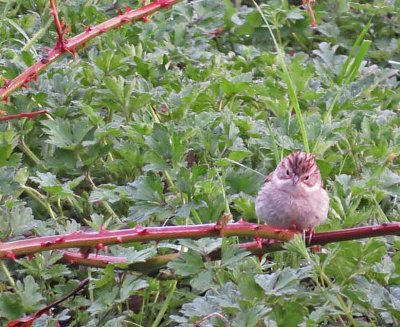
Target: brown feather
pixel 268 178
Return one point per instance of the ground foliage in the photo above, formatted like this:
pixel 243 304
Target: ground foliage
pixel 164 122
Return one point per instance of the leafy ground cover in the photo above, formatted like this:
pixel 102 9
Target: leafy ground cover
pixel 175 121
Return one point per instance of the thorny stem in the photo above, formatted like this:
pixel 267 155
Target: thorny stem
pixel 81 239
pixel 60 31
pixel 28 320
pixel 71 45
pixel 28 115
pixel 156 262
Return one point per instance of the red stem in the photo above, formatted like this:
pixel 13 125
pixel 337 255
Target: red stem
pixel 143 234
pixel 28 320
pixel 310 10
pixel 156 262
pixel 257 247
pixel 60 31
pixel 81 39
pixel 356 233
pixel 28 115
pixel 101 261
pixel 139 234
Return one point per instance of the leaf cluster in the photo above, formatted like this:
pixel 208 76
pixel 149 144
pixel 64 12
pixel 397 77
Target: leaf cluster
pixel 176 121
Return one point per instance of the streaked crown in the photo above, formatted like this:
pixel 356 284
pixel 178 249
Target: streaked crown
pixel 300 163
pixel 300 168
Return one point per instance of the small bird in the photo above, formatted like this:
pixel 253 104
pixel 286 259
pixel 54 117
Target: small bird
pixel 292 196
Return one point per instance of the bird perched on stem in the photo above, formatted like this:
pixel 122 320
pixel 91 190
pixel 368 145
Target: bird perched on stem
pixel 292 196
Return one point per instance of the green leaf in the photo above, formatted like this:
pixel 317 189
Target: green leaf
pixel 8 182
pixel 8 142
pixel 30 295
pixel 149 200
pixel 203 280
pixel 133 255
pixel 16 221
pixel 231 255
pixel 11 306
pixel 283 281
pixel 130 286
pixel 189 263
pixel 66 135
pixel 245 181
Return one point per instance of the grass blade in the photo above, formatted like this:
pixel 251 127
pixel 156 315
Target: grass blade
pixel 358 60
pixel 346 67
pixel 289 82
pixel 164 308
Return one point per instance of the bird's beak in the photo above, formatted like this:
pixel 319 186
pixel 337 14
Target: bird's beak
pixel 295 179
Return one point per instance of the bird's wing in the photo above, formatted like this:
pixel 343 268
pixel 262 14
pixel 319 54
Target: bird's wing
pixel 268 178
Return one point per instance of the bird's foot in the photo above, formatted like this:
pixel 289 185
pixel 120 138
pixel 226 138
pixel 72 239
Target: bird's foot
pixel 259 241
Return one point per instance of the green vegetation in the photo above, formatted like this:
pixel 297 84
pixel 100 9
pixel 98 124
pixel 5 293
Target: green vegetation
pixel 174 122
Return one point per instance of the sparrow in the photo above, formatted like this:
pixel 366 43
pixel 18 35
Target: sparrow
pixel 292 196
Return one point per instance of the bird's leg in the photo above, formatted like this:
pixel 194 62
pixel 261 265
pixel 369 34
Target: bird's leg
pixel 309 233
pixel 258 240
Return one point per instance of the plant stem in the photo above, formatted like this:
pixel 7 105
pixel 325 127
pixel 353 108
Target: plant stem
pixel 28 115
pixel 24 148
pixel 227 209
pixel 243 166
pixel 8 275
pixel 90 290
pixel 342 302
pixel 105 204
pixel 289 82
pixel 71 45
pixel 196 216
pixel 37 35
pixel 39 198
pixel 144 234
pixel 276 151
pixel 165 304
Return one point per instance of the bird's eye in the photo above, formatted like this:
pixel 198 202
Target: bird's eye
pixel 287 172
pixel 306 178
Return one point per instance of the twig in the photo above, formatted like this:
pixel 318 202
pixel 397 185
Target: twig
pixel 28 115
pixel 140 234
pixel 155 263
pixel 310 10
pixel 144 234
pixel 258 247
pixel 71 45
pixel 101 261
pixel 211 315
pixel 28 320
pixel 59 27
